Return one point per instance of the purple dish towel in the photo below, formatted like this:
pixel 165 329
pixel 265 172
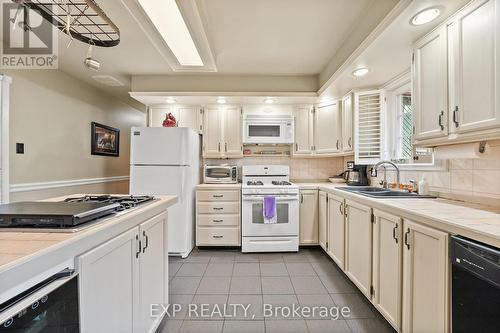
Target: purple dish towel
pixel 269 207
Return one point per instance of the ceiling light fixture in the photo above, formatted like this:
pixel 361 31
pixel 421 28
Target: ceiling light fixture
pixel 168 20
pixel 360 72
pixel 269 100
pixel 170 100
pixel 221 100
pixel 425 16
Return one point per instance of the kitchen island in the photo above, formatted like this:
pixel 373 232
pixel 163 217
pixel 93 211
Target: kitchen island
pixel 131 245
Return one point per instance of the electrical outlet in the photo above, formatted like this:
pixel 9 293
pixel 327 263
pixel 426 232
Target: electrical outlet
pixel 19 148
pixel 373 172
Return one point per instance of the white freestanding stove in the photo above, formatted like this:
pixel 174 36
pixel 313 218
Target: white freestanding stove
pixel 283 235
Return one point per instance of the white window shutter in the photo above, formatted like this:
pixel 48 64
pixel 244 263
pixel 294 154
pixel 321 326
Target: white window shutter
pixel 369 119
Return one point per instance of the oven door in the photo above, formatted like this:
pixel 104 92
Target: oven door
pixel 48 307
pixel 287 224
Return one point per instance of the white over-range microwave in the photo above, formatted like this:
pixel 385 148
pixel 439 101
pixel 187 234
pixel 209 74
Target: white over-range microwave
pixel 261 129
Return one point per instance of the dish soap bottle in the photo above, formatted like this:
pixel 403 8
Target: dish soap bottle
pixel 423 186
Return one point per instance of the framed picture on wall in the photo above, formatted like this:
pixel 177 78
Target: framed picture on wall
pixel 105 140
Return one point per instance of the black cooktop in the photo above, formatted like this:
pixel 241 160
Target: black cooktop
pixel 65 214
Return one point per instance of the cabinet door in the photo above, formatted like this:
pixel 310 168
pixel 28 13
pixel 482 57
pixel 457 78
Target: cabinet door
pixel 387 266
pixel 156 115
pixel 474 42
pixel 212 132
pixel 358 256
pixel 152 270
pixel 430 86
pixel 303 131
pixel 233 146
pixel 327 129
pixel 336 229
pixel 323 220
pixel 347 123
pixel 108 290
pixel 189 116
pixel 308 217
pixel 425 279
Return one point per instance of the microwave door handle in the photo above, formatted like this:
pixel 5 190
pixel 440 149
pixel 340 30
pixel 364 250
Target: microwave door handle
pixel 17 306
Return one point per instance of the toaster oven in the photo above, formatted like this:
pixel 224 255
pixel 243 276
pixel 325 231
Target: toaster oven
pixel 220 174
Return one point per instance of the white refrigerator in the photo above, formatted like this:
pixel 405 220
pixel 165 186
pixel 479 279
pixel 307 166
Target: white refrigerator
pixel 166 161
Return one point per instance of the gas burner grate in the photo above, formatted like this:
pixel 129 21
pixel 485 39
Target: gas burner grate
pixel 126 202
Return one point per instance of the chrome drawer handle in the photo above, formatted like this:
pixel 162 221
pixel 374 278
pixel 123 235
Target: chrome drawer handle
pixel 217 221
pixel 218 208
pixel 218 196
pixel 217 237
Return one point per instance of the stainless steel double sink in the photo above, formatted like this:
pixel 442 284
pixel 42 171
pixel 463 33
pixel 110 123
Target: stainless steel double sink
pixel 381 193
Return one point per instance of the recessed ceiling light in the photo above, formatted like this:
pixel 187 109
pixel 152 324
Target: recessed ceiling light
pixel 167 18
pixel 360 72
pixel 170 100
pixel 425 16
pixel 269 100
pixel 221 100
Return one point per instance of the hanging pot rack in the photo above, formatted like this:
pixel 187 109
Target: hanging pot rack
pixel 83 20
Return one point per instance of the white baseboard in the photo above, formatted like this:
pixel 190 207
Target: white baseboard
pixel 26 187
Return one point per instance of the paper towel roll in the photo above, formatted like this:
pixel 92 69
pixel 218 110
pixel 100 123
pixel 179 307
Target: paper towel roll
pixel 460 151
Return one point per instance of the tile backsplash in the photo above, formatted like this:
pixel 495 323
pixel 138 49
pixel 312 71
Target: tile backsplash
pixel 301 169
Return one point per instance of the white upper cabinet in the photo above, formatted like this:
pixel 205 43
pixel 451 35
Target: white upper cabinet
pixel 222 136
pixel 303 131
pixel 474 47
pixel 186 116
pixel 347 123
pixel 430 85
pixel 327 129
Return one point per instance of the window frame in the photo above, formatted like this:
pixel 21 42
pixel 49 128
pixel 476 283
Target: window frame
pixel 394 89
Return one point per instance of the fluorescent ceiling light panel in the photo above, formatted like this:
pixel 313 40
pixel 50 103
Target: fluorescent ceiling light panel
pixel 168 20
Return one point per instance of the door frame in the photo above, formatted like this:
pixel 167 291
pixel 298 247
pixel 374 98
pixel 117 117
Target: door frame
pixel 5 82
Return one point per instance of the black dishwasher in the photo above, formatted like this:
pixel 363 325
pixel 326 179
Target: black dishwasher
pixel 475 286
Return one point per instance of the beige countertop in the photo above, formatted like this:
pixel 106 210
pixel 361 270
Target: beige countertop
pixel 475 221
pixel 218 186
pixel 24 255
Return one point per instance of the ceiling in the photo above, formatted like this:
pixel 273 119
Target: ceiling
pixel 258 46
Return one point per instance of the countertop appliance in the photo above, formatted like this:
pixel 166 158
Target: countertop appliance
pixel 166 161
pixel 66 215
pixel 267 129
pixel 475 286
pixel 220 174
pixel 48 306
pixel 273 180
pixel 356 175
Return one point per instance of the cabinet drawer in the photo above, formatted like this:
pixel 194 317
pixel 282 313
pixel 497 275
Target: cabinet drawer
pixel 218 195
pixel 217 236
pixel 218 220
pixel 218 207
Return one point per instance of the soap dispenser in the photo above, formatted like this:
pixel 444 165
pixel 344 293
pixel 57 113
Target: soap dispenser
pixel 423 186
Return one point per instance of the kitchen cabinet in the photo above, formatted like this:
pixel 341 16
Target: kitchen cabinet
pixel 304 122
pixel 455 78
pixel 347 111
pixel 388 266
pixel 336 229
pixel 218 217
pixel 474 49
pixel 308 223
pixel 323 219
pixel 318 130
pixel 327 129
pixel 430 85
pixel 425 279
pixel 358 238
pixel 222 136
pixel 122 277
pixel 186 116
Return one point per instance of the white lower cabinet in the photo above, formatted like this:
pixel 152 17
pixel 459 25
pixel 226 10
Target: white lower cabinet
pixel 387 266
pixel 323 220
pixel 425 279
pixel 358 239
pixel 308 223
pixel 120 279
pixel 336 229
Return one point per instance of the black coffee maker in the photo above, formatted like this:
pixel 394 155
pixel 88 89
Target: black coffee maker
pixel 356 175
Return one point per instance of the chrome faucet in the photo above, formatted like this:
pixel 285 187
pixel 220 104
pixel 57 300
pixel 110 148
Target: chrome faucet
pixel 384 183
